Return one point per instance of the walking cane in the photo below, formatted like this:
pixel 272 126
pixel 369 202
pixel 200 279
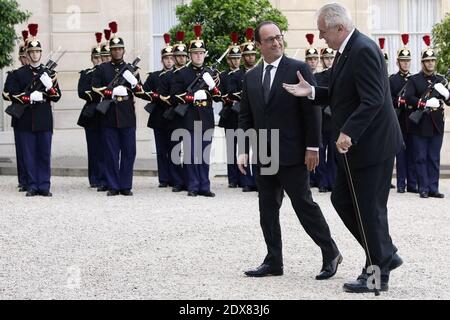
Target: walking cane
pixel 358 212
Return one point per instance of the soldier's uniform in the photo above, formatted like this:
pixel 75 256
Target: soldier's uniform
pixel 21 173
pixel 405 166
pixel 229 117
pixel 89 120
pixel 428 134
pixel 118 125
pixel 174 121
pixel 326 170
pixel 35 126
pixel 157 122
pixel 199 110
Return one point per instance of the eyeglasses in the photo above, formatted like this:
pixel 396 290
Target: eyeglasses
pixel 270 40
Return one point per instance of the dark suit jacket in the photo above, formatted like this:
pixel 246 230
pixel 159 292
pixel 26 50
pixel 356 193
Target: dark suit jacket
pixel 299 123
pixel 361 103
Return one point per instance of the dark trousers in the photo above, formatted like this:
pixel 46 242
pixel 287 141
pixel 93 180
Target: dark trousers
pixel 326 171
pixel 248 180
pixel 21 173
pixel 162 142
pixel 177 172
pixel 405 165
pixel 120 154
pixel 295 181
pixel 372 187
pixel 198 174
pixel 95 157
pixel 36 152
pixel 427 158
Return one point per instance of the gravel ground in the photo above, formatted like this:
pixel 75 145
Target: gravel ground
pixel 159 245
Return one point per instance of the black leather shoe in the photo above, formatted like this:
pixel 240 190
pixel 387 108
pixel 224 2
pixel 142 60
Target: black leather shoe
pixel 392 186
pixel 264 270
pixel 396 262
pixel 323 190
pixel 177 189
pixel 412 190
pixel 102 189
pixel 47 194
pixel 23 189
pixel 32 193
pixel 113 193
pixel 424 195
pixel 207 194
pixel 192 194
pixel 248 189
pixel 436 195
pixel 401 190
pixel 330 269
pixel 232 185
pixel 94 186
pixel 360 286
pixel 163 185
pixel 126 193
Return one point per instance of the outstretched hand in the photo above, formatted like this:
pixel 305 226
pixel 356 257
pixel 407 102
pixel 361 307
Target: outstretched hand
pixel 301 89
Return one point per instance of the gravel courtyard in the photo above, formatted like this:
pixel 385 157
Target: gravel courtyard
pixel 159 245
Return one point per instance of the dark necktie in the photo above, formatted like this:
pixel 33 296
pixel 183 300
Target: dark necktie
pixel 266 83
pixel 338 56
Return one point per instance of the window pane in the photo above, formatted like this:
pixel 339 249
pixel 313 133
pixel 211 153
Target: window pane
pixel 385 15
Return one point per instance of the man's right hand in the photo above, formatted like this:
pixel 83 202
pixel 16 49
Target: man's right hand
pixel 301 89
pixel 243 163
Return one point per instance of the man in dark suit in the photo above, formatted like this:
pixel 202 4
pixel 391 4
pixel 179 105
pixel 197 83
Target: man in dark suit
pixel 265 106
pixel 369 134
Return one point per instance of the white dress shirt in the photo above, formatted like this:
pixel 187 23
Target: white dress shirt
pixel 272 72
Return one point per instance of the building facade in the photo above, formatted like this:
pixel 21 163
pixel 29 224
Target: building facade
pixel 70 25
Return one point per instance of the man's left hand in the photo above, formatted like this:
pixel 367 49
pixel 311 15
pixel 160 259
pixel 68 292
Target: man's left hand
pixel 344 143
pixel 311 160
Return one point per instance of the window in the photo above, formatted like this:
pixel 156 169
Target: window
pixel 163 18
pixel 391 18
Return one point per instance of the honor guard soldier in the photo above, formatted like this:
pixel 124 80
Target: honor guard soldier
pixel 21 173
pixel 234 88
pixel 105 50
pixel 35 87
pixel 89 120
pixel 405 166
pixel 195 88
pixel 311 54
pixel 228 117
pixel 156 120
pixel 174 121
pixel 428 132
pixel 326 170
pixel 118 124
pixel 312 60
pixel 248 50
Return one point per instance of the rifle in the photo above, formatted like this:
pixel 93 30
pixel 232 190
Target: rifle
pixel 401 103
pixel 118 80
pixel 417 115
pixel 197 83
pixel 16 110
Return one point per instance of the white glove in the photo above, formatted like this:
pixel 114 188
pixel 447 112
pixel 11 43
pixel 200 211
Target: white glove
pixel 119 91
pixel 200 95
pixel 442 90
pixel 46 81
pixel 130 78
pixel 209 81
pixel 433 103
pixel 36 96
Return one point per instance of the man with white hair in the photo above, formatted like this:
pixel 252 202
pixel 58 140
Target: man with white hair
pixel 367 134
